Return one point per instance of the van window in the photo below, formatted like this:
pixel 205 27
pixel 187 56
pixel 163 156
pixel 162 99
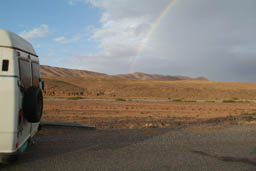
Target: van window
pixel 25 73
pixel 5 65
pixel 35 74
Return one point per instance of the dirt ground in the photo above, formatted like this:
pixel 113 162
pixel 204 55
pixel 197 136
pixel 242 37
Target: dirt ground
pixel 107 101
pixel 118 88
pixel 147 114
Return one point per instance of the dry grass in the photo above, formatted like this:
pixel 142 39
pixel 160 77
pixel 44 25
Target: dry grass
pixel 171 103
pixel 125 114
pixel 114 88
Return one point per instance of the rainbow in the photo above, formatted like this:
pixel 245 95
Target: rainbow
pixel 151 30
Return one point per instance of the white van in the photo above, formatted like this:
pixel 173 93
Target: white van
pixel 21 99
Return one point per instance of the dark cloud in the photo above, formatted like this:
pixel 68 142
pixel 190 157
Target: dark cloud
pixel 213 38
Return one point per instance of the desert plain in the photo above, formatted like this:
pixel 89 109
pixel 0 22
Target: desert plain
pixel 140 101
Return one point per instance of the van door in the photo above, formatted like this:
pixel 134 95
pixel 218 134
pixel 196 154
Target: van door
pixel 25 75
pixel 35 82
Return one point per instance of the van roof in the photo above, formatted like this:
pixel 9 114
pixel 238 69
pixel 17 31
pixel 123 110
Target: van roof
pixel 12 40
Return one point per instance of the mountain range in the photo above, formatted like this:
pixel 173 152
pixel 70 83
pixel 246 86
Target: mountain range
pixel 49 72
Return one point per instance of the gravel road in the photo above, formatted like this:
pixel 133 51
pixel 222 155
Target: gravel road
pixel 230 148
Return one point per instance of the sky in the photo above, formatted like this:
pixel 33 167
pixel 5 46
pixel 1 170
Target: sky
pixel 211 38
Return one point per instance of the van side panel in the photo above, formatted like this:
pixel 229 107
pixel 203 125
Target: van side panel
pixel 8 102
pixel 8 114
pixel 8 54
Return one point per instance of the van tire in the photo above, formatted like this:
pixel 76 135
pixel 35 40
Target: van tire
pixel 33 104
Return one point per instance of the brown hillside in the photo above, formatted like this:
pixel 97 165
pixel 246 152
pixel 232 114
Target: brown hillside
pixel 48 71
pixel 156 77
pixel 62 82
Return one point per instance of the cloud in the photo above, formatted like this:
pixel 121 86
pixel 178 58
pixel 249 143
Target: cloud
pixel 215 39
pixel 38 46
pixel 79 36
pixel 124 26
pixel 74 2
pixel 63 39
pixel 35 33
pixel 95 61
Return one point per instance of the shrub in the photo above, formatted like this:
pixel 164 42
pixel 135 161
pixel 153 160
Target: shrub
pixel 120 100
pixel 75 98
pixel 154 126
pixel 229 101
pixel 190 101
pixel 177 100
pixel 244 101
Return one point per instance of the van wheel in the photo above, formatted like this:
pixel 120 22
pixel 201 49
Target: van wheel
pixel 33 104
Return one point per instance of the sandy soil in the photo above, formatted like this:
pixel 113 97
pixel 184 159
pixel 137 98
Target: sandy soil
pixel 148 114
pixel 118 88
